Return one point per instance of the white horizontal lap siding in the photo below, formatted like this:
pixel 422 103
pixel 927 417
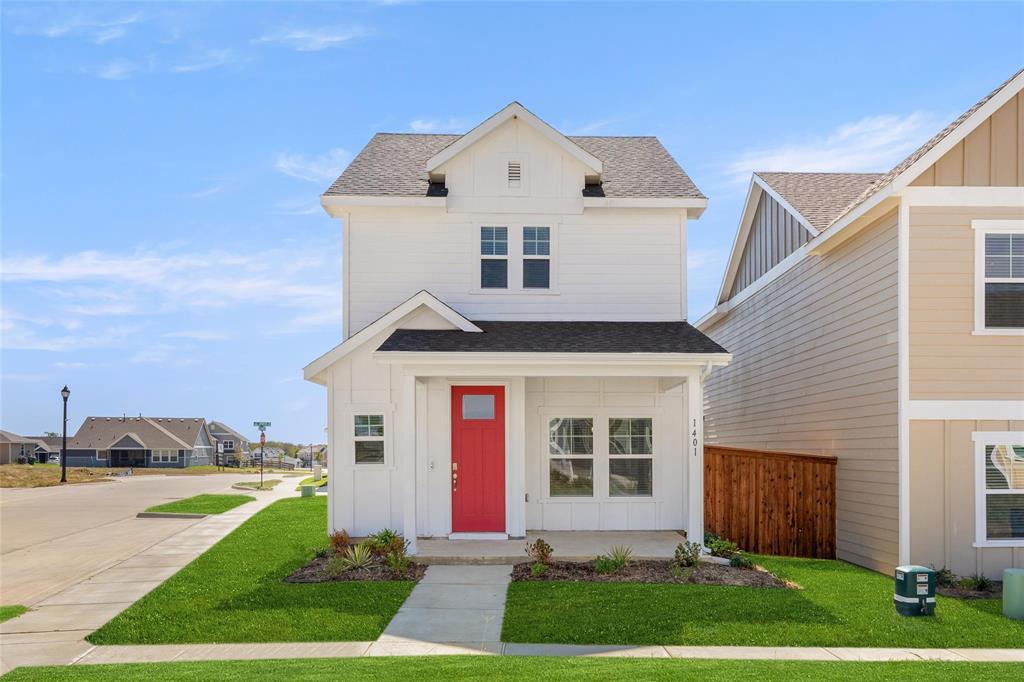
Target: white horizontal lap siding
pixel 627 266
pixel 814 369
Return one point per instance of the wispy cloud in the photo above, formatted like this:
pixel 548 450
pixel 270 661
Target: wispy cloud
pixel 107 34
pixel 592 127
pixel 437 125
pixel 99 30
pixel 197 335
pixel 211 59
pixel 297 207
pixel 117 70
pixel 312 39
pixel 319 169
pixel 874 143
pixel 203 193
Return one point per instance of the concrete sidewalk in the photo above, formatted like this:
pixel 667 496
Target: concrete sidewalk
pixel 215 652
pixel 53 632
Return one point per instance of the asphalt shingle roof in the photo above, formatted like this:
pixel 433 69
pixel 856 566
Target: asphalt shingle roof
pixel 155 432
pixel 557 337
pixel 819 197
pixel 394 164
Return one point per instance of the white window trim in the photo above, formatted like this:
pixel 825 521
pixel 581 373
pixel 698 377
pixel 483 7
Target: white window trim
pixel 981 439
pixel 601 457
pixel 515 258
pixel 507 257
pixel 164 456
pixel 617 456
pixel 982 228
pixel 525 257
pixel 548 456
pixel 386 413
pixel 101 454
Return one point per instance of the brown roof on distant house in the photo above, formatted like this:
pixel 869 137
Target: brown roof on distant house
pixel 819 197
pixel 8 437
pixel 394 164
pixel 154 432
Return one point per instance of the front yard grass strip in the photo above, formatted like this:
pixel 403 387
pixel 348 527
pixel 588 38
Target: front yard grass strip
pixel 203 504
pixel 12 611
pixel 840 605
pixel 234 591
pixel 402 669
pixel 255 485
pixel 318 482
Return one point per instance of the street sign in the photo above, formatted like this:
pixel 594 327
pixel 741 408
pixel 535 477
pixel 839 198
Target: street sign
pixel 262 426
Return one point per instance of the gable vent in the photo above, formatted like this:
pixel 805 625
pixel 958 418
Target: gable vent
pixel 515 174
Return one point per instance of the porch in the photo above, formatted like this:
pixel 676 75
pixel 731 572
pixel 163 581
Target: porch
pixel 567 545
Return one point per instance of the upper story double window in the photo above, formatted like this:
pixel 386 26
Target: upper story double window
pixel 999 277
pixel 530 258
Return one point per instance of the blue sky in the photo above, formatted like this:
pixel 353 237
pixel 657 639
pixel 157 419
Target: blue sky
pixel 162 247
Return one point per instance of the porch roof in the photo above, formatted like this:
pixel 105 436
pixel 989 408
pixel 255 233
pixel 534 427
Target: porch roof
pixel 556 337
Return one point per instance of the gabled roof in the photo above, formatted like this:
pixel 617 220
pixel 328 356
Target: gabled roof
pixel 818 198
pixel 556 337
pixel 99 433
pixel 514 110
pixel 9 437
pixel 396 165
pixel 422 298
pixel 221 427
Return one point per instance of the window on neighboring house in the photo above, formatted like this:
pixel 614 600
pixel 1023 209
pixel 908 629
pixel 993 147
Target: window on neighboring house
pixel 536 257
pixel 571 457
pixel 999 277
pixel 630 461
pixel 493 257
pixel 1000 488
pixel 165 456
pixel 101 454
pixel 229 445
pixel 369 438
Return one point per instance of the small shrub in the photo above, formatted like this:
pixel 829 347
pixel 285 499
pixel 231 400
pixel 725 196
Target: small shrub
pixel 740 560
pixel 723 548
pixel 398 563
pixel 682 572
pixel 687 554
pixel 340 541
pixel 356 556
pixel 540 551
pixel 944 577
pixel 976 582
pixel 379 543
pixel 605 564
pixel 322 552
pixel 621 554
pixel 538 569
pixel 710 537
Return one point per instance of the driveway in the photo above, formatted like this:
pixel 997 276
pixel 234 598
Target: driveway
pixel 51 538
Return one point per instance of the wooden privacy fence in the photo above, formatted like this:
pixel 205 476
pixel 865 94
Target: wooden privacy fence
pixel 771 502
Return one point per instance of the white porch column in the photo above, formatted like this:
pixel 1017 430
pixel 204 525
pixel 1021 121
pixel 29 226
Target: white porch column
pixel 516 458
pixel 695 458
pixel 407 435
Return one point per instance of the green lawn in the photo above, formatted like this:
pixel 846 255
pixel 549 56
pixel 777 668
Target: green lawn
pixel 13 611
pixel 234 591
pixel 203 504
pixel 255 485
pixel 840 605
pixel 487 668
pixel 318 482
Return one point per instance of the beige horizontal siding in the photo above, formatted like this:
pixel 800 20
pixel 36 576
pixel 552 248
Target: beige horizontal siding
pixel 814 370
pixel 992 155
pixel 942 490
pixel 947 360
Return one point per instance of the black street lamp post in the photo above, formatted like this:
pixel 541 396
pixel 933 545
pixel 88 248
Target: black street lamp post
pixel 64 393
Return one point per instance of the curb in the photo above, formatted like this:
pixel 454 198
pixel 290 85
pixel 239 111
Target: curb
pixel 169 515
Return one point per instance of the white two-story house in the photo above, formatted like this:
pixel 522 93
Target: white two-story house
pixel 516 353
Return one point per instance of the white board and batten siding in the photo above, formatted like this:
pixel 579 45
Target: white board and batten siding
pixel 814 370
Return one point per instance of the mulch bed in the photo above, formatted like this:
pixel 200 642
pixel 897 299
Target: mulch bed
pixel 649 571
pixel 966 593
pixel 316 572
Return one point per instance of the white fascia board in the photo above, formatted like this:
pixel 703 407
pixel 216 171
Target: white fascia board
pixel 739 240
pixel 700 360
pixel 786 205
pixel 424 298
pixel 694 205
pixel 337 204
pixel 514 110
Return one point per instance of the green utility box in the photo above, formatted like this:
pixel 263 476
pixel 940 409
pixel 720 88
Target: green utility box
pixel 1013 593
pixel 308 491
pixel 915 591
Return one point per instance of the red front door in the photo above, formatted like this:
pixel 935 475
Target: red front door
pixel 478 459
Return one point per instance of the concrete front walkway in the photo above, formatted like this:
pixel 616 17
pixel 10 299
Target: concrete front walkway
pixel 453 605
pixel 53 632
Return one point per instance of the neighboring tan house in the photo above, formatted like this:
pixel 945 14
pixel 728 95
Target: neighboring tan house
pixel 515 348
pixel 880 318
pixel 227 441
pixel 14 448
pixel 46 446
pixel 174 442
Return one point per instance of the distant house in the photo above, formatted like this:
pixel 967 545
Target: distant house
pixel 46 446
pixel 15 448
pixel 229 442
pixel 171 442
pixel 308 454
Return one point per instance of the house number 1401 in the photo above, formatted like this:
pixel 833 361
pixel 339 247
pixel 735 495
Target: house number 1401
pixel 694 434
